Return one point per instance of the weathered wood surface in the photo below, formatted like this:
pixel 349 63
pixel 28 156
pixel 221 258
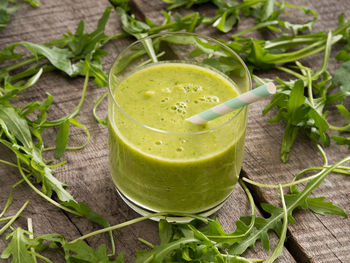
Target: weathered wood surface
pixel 314 238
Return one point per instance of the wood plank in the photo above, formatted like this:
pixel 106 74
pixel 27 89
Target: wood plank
pixel 46 218
pixel 87 172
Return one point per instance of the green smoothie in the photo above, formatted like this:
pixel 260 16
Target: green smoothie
pixel 158 160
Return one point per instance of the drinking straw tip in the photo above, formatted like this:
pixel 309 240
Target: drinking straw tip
pixel 196 120
pixel 271 88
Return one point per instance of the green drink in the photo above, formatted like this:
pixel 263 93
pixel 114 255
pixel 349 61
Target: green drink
pixel 159 161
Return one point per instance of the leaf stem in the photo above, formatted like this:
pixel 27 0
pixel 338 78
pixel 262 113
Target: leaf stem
pixel 337 128
pixel 309 88
pixel 5 219
pixel 75 110
pixel 31 236
pixel 145 242
pixel 40 256
pixel 255 27
pixel 283 185
pixel 30 72
pixel 307 190
pixel 20 63
pixel 121 225
pixel 13 165
pixel 252 222
pixel 287 70
pixel 42 194
pixel 279 247
pixel 157 29
pixel 9 223
pixel 96 104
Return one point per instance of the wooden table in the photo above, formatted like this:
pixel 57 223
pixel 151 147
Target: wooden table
pixel 314 238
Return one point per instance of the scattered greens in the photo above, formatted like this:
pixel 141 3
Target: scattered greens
pixel 301 102
pixel 7 7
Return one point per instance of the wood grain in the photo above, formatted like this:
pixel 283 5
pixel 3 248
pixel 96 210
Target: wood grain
pixel 314 238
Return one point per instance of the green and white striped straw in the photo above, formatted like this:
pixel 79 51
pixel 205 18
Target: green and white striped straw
pixel 235 103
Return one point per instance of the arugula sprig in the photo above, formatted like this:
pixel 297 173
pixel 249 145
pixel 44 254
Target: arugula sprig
pixel 265 12
pixel 300 102
pixel 74 54
pixel 9 7
pixel 203 239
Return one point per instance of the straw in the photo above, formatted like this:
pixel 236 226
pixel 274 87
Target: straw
pixel 235 103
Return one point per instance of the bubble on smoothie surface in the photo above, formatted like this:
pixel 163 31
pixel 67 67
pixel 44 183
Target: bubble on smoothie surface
pixel 179 149
pixel 149 93
pixel 209 99
pixel 166 90
pixel 189 87
pixel 179 107
pixel 158 142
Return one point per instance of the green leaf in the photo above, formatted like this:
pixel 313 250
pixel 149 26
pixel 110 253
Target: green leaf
pixel 296 98
pixel 342 77
pixel 289 135
pixel 42 107
pixel 274 222
pixel 340 140
pixel 79 251
pixel 62 138
pixel 267 9
pixel 60 58
pixel 165 231
pixel 143 256
pixel 215 232
pixel 5 12
pixel 226 21
pixel 344 112
pixel 131 25
pixel 344 54
pixel 8 52
pixel 278 251
pixel 160 252
pixel 51 183
pixel 33 3
pixel 84 210
pixel 16 125
pixel 319 206
pixel 121 3
pixel 184 3
pixel 17 247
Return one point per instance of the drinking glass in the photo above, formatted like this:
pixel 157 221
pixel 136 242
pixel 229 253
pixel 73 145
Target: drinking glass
pixel 167 169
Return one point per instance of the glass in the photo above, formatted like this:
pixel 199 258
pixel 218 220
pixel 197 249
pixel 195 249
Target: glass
pixel 174 168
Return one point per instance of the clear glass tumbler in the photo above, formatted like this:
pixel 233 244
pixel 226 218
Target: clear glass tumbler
pixel 176 168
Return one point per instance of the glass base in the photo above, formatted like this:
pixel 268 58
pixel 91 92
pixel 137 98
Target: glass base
pixel 178 219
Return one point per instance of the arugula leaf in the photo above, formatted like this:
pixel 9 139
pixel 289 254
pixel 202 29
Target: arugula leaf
pixel 344 54
pixel 293 201
pixel 5 12
pixel 8 52
pixel 340 140
pixel 57 56
pixel 121 3
pixel 81 252
pixel 131 25
pixel 184 3
pixel 319 206
pixel 62 138
pixel 165 231
pixel 342 77
pixel 16 126
pixel 33 3
pixel 18 246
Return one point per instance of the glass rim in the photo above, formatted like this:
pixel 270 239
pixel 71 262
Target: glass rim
pixel 139 41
